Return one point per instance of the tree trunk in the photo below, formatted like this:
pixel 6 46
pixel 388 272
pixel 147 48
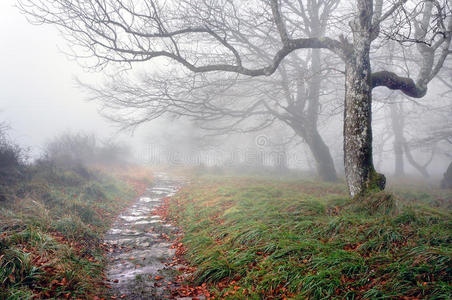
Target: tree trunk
pixel 446 183
pixel 397 122
pixel 320 151
pixel 420 168
pixel 359 169
pixel 399 166
pixel 401 147
pixel 322 156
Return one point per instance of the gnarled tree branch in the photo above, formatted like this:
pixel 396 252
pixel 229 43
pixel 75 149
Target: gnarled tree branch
pixel 395 82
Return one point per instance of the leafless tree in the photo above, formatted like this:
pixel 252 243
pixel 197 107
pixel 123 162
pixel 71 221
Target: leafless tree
pixel 291 95
pixel 199 35
pixel 402 148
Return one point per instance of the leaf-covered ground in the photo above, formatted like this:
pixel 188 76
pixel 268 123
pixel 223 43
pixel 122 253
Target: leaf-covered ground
pixel 51 232
pixel 251 238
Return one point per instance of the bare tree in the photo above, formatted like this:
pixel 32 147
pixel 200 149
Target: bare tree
pixel 291 95
pixel 199 36
pixel 402 147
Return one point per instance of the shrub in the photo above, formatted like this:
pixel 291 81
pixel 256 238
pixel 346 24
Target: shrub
pixel 73 151
pixel 12 166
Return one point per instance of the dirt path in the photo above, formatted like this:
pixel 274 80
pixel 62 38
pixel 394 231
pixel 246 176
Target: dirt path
pixel 139 248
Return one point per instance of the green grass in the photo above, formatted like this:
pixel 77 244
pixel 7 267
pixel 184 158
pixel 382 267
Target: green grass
pixel 50 235
pixel 271 239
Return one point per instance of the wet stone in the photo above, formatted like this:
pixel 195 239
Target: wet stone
pixel 148 199
pixel 138 251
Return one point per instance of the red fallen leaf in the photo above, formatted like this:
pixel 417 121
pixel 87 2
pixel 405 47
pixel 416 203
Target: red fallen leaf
pixel 236 288
pixel 158 277
pixel 108 286
pixel 63 282
pixel 116 281
pixel 131 258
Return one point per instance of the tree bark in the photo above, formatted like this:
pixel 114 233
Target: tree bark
pixel 359 169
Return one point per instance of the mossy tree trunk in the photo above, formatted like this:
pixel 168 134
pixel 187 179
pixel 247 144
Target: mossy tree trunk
pixel 359 169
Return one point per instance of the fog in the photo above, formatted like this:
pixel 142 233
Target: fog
pixel 41 97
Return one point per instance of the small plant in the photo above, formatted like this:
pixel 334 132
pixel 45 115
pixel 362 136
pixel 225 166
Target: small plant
pixel 72 228
pixel 374 203
pixel 16 269
pixel 12 166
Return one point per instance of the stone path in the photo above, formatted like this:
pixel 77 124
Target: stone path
pixel 139 249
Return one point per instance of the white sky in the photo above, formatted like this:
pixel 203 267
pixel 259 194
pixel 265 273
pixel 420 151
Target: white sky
pixel 38 94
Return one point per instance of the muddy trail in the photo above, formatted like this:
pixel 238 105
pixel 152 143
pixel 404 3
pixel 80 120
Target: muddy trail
pixel 140 252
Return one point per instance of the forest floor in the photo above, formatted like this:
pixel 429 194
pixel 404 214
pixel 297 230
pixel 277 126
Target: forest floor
pixel 128 236
pixel 261 238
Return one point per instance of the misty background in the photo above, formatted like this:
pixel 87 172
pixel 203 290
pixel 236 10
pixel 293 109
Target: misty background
pixel 40 99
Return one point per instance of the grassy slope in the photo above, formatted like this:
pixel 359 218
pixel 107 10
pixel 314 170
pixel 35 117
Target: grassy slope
pixel 50 237
pixel 258 238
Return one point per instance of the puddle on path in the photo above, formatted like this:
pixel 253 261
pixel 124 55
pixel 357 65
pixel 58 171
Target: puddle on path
pixel 139 249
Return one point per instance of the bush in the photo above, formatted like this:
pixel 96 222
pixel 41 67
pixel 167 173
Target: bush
pixel 75 151
pixel 12 166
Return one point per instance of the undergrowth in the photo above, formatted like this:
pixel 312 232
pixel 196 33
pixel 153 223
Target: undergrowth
pixel 265 239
